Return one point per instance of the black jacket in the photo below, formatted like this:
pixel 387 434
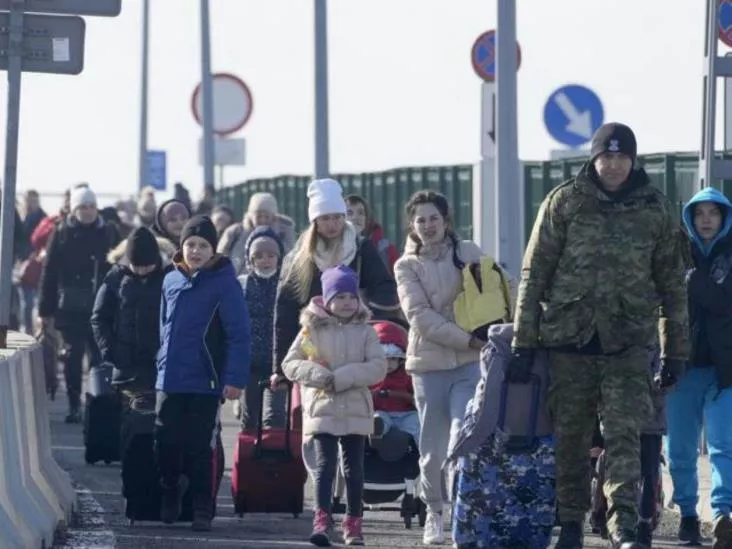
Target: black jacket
pixel 74 269
pixel 376 283
pixel 126 324
pixel 710 310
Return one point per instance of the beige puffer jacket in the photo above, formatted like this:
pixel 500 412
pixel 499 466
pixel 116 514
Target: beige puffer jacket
pixel 428 284
pixel 354 361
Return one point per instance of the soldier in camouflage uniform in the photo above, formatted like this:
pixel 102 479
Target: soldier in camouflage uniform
pixel 601 265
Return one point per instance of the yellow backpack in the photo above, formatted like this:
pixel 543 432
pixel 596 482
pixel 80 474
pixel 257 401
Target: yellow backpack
pixel 476 306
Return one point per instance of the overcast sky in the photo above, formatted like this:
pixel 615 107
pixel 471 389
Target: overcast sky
pixel 402 88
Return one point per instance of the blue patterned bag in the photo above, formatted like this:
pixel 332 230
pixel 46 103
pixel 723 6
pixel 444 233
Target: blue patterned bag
pixel 505 491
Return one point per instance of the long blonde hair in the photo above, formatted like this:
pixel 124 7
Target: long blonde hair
pixel 299 275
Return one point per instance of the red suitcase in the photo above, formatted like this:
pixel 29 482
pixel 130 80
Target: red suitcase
pixel 268 474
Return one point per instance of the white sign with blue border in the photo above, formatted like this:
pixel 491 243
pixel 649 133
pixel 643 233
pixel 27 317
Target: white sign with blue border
pixel 572 114
pixel 157 170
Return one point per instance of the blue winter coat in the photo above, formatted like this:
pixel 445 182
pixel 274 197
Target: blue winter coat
pixel 204 331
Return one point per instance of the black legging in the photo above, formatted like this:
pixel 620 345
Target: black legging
pixel 326 467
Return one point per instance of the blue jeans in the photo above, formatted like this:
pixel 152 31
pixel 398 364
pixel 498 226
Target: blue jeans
pixel 696 399
pixel 27 296
pixel 404 421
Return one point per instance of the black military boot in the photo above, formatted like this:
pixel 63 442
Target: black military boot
pixel 171 505
pixel 722 533
pixel 626 540
pixel 202 513
pixel 571 536
pixel 690 531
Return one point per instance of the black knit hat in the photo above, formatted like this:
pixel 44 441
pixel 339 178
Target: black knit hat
pixel 142 248
pixel 200 225
pixel 614 138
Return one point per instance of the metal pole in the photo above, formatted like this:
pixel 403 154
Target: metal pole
pixel 322 145
pixel 508 180
pixel 142 177
pixel 209 176
pixel 706 154
pixel 7 212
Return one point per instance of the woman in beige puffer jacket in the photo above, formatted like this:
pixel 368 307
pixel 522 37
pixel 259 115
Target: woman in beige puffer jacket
pixel 441 357
pixel 335 358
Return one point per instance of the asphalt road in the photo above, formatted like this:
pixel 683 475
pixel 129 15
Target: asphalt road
pixel 101 523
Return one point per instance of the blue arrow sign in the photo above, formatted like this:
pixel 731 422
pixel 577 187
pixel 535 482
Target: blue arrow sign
pixel 572 114
pixel 156 170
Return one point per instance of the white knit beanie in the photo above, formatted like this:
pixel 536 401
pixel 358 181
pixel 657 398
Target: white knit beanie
pixel 262 202
pixel 325 196
pixel 83 196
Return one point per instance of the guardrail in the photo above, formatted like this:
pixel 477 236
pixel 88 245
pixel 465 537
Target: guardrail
pixel 36 496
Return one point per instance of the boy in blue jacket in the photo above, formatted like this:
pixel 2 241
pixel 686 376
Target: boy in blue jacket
pixel 204 355
pixel 704 393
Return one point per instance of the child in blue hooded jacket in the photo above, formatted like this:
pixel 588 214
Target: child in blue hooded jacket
pixel 204 355
pixel 704 394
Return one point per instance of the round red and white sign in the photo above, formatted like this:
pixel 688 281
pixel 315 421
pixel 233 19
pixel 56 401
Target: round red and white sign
pixel 232 104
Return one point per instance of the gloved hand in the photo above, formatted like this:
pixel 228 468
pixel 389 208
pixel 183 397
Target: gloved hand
pixel 671 371
pixel 520 366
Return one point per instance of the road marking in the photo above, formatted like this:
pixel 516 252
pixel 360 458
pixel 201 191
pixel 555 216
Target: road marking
pixel 90 531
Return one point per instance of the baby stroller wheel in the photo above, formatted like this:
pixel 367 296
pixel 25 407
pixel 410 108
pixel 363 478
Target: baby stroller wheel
pixel 408 510
pixel 407 522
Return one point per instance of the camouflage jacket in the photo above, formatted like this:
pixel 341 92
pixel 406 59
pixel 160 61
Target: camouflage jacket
pixel 595 264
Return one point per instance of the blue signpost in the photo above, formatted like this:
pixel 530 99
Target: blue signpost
pixel 572 114
pixel 157 170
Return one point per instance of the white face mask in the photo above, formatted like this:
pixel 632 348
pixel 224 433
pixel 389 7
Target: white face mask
pixel 265 274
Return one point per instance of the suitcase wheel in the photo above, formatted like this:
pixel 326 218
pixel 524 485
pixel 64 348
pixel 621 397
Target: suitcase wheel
pixel 295 515
pixel 131 522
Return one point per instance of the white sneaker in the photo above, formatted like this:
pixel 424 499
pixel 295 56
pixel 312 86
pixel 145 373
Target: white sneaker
pixel 433 530
pixel 236 407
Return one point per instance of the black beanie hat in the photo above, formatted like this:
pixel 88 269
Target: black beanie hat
pixel 142 248
pixel 614 138
pixel 200 225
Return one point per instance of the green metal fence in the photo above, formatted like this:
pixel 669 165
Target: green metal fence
pixel 388 191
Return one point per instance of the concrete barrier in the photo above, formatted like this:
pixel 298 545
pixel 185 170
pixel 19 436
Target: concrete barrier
pixel 36 497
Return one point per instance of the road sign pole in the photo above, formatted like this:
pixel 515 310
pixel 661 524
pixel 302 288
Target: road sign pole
pixel 322 139
pixel 709 84
pixel 7 212
pixel 484 193
pixel 508 180
pixel 209 176
pixel 144 93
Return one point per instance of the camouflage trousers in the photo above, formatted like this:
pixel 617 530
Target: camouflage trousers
pixel 618 387
pixel 505 499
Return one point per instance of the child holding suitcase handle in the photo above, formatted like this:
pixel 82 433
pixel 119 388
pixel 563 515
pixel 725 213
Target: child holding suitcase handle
pixel 334 359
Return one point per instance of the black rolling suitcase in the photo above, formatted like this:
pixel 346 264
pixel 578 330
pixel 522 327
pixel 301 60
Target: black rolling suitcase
pixel 101 418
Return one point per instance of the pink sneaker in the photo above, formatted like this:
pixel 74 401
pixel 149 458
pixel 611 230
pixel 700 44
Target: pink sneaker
pixel 352 531
pixel 321 527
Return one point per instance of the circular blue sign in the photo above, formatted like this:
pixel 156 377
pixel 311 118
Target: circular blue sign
pixel 572 114
pixel 483 56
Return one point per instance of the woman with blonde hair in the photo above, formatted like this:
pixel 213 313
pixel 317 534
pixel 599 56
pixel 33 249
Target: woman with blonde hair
pixel 329 241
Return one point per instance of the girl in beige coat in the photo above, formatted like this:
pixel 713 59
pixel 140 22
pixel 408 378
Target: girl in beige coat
pixel 335 358
pixel 442 358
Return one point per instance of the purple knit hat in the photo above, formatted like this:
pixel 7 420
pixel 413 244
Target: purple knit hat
pixel 337 280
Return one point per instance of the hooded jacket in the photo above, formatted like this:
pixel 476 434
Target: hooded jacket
pixel 126 321
pixel 710 290
pixel 117 256
pixel 159 227
pixel 204 330
pixel 260 294
pixel 234 240
pixel 352 356
pixel 603 266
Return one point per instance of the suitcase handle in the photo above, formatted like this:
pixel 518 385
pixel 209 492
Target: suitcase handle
pixel 521 443
pixel 258 450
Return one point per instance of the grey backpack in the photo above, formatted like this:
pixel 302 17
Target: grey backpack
pixel 516 412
